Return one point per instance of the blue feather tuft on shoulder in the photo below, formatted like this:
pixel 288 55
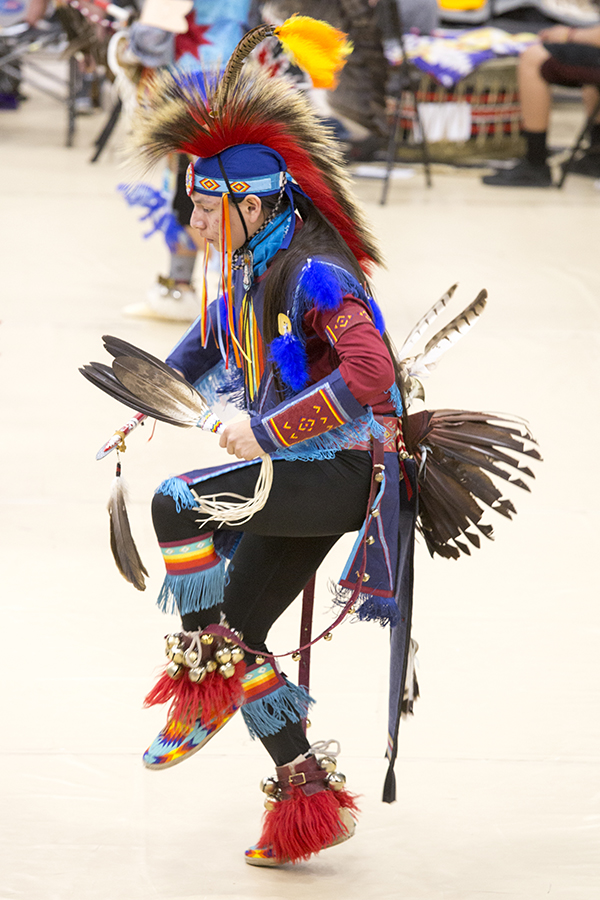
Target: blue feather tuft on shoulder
pixel 289 355
pixel 324 284
pixel 377 316
pixel 319 283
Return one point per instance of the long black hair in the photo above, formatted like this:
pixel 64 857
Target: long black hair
pixel 316 237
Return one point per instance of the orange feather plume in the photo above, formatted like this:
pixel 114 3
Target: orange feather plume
pixel 316 47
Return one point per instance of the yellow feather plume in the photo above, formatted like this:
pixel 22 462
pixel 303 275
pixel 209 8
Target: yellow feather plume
pixel 316 47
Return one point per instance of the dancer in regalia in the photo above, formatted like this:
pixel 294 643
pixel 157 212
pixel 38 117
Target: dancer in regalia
pixel 298 339
pixel 298 342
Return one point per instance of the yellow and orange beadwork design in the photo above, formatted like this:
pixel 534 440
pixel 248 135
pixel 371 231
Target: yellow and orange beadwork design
pixel 208 184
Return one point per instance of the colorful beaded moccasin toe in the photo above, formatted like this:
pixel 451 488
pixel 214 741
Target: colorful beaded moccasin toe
pixel 176 743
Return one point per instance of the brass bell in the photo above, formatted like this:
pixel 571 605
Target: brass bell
pixel 336 781
pixel 328 763
pixel 270 804
pixel 228 640
pixel 227 670
pixel 206 638
pixel 173 670
pixel 328 636
pixel 191 658
pixel 177 655
pixel 379 476
pixel 297 656
pixel 197 674
pixel 172 640
pixel 223 656
pixel 269 785
pixel 260 660
pixel 237 655
pixel 210 665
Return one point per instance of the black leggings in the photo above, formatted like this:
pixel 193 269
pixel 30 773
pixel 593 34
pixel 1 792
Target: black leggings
pixel 310 506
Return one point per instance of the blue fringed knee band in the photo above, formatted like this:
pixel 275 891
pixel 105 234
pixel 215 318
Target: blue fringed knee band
pixel 271 701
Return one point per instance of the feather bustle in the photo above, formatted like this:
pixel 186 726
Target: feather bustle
pixel 455 449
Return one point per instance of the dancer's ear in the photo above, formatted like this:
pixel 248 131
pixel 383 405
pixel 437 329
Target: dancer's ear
pixel 253 209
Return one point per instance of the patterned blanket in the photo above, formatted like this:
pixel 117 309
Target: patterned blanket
pixel 451 54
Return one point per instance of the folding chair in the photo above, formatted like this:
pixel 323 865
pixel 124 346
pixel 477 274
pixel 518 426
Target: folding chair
pixel 580 139
pixel 20 41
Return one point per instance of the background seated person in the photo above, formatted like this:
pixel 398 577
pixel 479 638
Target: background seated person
pixel 570 57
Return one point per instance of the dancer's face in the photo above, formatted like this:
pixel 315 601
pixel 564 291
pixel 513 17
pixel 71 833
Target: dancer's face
pixel 206 218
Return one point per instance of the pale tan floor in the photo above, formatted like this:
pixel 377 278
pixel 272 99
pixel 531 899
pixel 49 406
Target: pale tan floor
pixel 498 773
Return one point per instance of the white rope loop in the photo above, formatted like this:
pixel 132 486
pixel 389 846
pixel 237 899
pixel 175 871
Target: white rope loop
pixel 325 747
pixel 237 509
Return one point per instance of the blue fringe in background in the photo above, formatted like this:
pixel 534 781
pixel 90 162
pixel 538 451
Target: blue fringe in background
pixel 154 202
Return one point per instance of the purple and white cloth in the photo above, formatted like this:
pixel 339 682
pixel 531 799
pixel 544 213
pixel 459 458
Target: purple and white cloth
pixel 451 54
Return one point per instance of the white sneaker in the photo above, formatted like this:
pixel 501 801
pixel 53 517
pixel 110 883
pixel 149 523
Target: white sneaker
pixel 167 300
pixel 571 12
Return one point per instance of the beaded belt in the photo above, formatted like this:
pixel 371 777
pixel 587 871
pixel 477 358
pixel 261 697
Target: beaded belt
pixel 393 441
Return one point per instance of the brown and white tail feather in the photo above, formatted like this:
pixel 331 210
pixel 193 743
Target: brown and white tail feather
pixel 122 544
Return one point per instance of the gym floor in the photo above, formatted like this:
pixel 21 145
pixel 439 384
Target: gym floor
pixel 498 772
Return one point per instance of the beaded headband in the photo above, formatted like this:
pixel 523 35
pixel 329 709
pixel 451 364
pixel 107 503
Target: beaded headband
pixel 263 184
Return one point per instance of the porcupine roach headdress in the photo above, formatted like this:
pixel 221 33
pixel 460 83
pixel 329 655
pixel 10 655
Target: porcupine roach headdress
pixel 246 107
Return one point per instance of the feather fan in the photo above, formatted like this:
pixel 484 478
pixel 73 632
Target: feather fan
pixel 148 385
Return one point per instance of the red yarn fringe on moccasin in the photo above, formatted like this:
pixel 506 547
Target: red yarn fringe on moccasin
pixel 301 826
pixel 211 701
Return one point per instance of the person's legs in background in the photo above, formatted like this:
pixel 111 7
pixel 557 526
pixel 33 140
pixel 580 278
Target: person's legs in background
pixel 173 298
pixel 536 99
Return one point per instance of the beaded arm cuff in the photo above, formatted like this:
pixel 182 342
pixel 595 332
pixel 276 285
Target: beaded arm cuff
pixel 325 405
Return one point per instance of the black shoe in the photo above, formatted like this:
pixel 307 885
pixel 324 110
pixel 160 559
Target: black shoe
pixel 588 165
pixel 524 174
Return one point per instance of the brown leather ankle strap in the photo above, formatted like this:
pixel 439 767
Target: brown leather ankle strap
pixel 307 775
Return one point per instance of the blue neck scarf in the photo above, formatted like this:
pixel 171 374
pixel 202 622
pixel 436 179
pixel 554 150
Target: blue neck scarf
pixel 276 236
